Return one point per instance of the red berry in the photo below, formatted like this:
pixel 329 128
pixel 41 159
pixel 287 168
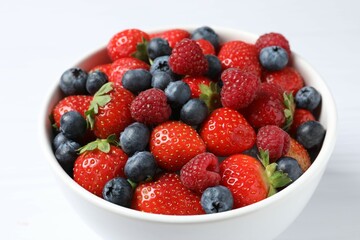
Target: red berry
pixel 245 178
pixel 226 132
pixel 201 172
pixel 122 65
pixel 194 83
pixel 240 88
pixel 187 58
pixel 298 152
pixel 94 168
pixel 238 54
pixel 288 79
pixel 273 139
pixel 206 46
pixel 300 116
pixel 125 43
pixel 174 144
pixel 151 107
pixel 273 39
pixel 105 68
pixel 173 36
pixel 167 195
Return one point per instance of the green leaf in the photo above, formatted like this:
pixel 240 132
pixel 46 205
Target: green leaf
pixel 112 139
pixel 210 95
pixel 103 146
pixel 141 51
pixel 277 178
pixel 102 100
pixel 88 147
pixel 264 157
pixel 106 88
pixel 289 110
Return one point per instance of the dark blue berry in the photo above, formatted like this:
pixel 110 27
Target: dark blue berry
pixel 59 139
pixel 206 33
pixel 217 199
pixel 73 125
pixel 214 67
pixel 308 98
pixel 290 166
pixel 140 167
pixel 95 81
pixel 158 47
pixel 73 81
pixel 178 93
pixel 253 152
pixel 66 155
pixel 118 191
pixel 161 64
pixel 137 80
pixel 310 134
pixel 194 112
pixel 273 58
pixel 161 80
pixel 135 137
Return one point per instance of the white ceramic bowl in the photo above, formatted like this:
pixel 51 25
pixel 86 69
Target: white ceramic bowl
pixel 263 220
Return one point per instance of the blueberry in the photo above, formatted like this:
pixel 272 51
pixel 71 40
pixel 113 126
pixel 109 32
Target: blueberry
pixel 310 134
pixel 137 80
pixel 161 80
pixel 59 139
pixel 290 166
pixel 140 167
pixel 119 191
pixel 194 112
pixel 73 125
pixel 217 199
pixel 253 152
pixel 73 81
pixel 161 64
pixel 178 93
pixel 206 33
pixel 214 69
pixel 95 81
pixel 308 98
pixel 135 137
pixel 66 155
pixel 273 58
pixel 158 47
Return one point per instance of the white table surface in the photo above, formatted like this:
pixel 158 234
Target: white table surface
pixel 39 39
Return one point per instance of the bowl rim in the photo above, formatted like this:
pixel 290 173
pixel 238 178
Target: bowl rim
pixel 316 167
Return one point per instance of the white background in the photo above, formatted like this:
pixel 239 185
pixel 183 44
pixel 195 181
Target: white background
pixel 40 39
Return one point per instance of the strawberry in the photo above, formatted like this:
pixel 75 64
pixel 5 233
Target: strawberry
pixel 201 172
pixel 128 43
pixel 187 58
pixel 238 54
pixel 120 66
pixel 273 39
pixel 206 46
pixel 240 88
pixel 167 195
pixel 174 144
pixel 226 132
pixel 298 152
pixel 300 116
pixel 250 180
pixel 288 79
pixel 109 111
pixel 273 139
pixel 271 107
pixel 105 68
pixel 194 84
pixel 150 107
pixel 97 163
pixel 79 103
pixel 173 36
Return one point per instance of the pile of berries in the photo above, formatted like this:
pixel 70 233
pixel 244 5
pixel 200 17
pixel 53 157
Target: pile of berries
pixel 180 123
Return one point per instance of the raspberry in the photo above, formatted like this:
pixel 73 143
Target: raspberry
pixel 150 107
pixel 187 58
pixel 201 172
pixel 239 89
pixel 273 39
pixel 273 139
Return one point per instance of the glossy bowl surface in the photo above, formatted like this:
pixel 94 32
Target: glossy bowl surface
pixel 260 221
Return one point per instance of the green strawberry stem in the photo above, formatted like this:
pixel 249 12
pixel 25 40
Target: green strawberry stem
pixel 210 95
pixel 289 110
pixel 275 177
pixel 141 51
pixel 101 144
pixel 101 98
pixel 132 184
